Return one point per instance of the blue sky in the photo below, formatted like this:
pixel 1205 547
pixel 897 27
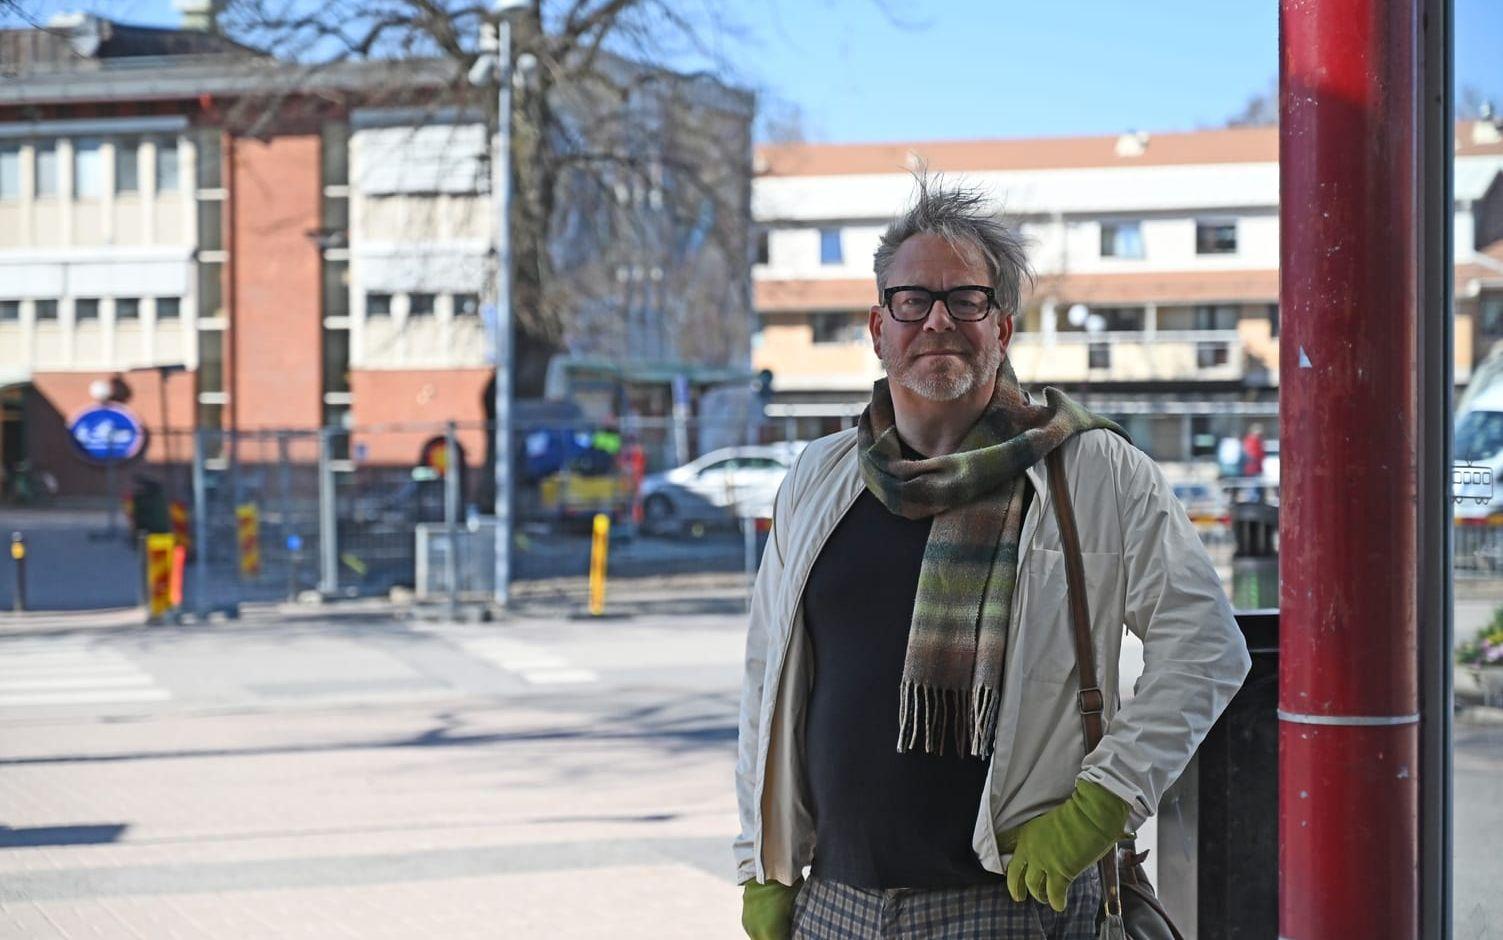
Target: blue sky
pixel 870 70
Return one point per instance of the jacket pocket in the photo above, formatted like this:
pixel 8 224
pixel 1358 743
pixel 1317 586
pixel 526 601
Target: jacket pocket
pixel 1046 635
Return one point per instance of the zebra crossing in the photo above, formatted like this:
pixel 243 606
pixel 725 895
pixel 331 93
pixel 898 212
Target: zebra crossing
pixel 41 671
pixel 532 662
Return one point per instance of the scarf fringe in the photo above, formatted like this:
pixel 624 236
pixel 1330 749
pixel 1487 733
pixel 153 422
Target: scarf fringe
pixel 968 717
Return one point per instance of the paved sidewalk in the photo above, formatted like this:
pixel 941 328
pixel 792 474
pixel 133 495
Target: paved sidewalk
pixel 473 801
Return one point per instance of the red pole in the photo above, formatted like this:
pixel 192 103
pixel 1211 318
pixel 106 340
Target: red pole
pixel 1348 705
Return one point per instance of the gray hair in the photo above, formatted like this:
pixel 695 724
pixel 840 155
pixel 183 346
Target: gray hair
pixel 963 217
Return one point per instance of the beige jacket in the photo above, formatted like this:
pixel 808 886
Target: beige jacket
pixel 1145 569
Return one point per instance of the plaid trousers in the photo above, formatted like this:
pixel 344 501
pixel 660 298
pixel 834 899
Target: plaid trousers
pixel 829 910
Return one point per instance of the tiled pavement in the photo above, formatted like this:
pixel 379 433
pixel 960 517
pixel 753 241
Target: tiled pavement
pixel 593 809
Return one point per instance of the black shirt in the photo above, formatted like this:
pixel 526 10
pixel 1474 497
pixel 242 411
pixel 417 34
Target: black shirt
pixel 882 819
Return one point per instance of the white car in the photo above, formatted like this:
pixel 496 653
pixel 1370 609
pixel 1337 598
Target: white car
pixel 718 488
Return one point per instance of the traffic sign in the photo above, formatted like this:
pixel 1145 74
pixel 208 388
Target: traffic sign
pixel 107 433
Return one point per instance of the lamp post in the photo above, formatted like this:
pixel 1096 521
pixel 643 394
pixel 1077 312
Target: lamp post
pixel 494 65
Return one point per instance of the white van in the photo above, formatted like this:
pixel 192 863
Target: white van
pixel 1479 441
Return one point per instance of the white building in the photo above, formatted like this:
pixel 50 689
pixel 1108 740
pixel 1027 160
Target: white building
pixel 1170 242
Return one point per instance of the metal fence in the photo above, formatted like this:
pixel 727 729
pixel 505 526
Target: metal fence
pixel 366 510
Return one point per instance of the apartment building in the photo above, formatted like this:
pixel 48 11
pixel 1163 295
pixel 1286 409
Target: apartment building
pixel 1156 256
pixel 237 244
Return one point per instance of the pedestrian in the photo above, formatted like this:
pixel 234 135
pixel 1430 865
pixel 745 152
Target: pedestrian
pixel 1252 460
pixel 910 726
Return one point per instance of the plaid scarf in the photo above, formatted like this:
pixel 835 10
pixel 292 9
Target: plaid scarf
pixel 957 641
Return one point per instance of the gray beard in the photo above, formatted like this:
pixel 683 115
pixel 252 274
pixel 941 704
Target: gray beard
pixel 947 384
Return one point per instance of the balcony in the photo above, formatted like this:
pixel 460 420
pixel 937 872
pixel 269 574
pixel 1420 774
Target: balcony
pixel 1162 356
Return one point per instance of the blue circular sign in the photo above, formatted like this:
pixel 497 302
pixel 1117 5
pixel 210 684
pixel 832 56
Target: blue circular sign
pixel 107 433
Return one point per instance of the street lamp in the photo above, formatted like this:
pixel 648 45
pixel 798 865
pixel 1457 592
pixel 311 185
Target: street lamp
pixel 494 65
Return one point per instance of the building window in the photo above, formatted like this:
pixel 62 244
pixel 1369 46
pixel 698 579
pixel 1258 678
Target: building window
pixel 169 308
pixel 10 172
pixel 1273 320
pixel 10 311
pixel 167 168
pixel 829 246
pixel 336 288
pixel 1121 240
pixel 210 361
pixel 46 177
pixel 1215 318
pixel 88 168
pixel 1099 356
pixel 420 305
pixel 208 159
pixel 1211 355
pixel 1215 238
pixel 127 308
pixel 378 305
pixel 210 224
pixel 466 305
pixel 210 289
pixel 763 248
pixel 85 309
pixel 336 361
pixel 45 310
pixel 127 165
pixel 835 328
pixel 1120 319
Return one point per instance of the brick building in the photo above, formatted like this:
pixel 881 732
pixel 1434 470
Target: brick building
pixel 1157 258
pixel 243 244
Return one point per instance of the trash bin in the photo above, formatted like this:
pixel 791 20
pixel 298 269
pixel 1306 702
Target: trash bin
pixel 1218 853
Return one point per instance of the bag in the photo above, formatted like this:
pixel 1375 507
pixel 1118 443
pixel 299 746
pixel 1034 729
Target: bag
pixel 1130 908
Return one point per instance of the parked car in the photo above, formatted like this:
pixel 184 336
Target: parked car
pixel 717 489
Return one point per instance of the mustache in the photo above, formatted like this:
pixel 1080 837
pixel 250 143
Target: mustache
pixel 941 347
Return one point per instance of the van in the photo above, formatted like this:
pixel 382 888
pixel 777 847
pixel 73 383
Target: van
pixel 1479 442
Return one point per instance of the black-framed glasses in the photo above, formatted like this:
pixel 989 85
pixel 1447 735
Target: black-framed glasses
pixel 909 304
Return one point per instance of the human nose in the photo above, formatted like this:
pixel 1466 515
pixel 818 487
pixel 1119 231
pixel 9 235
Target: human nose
pixel 939 319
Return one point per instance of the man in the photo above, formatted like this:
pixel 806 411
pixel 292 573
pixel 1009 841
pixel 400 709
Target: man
pixel 909 720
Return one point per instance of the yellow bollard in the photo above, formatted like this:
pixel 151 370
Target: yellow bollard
pixel 248 531
pixel 598 547
pixel 159 551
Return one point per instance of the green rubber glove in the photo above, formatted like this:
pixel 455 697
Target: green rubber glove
pixel 1050 851
pixel 767 910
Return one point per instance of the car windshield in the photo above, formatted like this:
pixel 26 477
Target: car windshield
pixel 1479 435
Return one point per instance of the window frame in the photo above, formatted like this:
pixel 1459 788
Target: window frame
pixel 94 304
pixel 127 153
pixel 387 312
pixel 10 154
pixel 1109 230
pixel 165 145
pixel 432 304
pixel 1209 246
pixel 85 147
pixel 831 247
pixel 51 149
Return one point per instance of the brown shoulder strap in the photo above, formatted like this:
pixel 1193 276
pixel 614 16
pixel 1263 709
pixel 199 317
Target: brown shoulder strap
pixel 1091 700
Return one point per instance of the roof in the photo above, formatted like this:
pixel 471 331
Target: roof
pixel 84 42
pixel 1222 145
